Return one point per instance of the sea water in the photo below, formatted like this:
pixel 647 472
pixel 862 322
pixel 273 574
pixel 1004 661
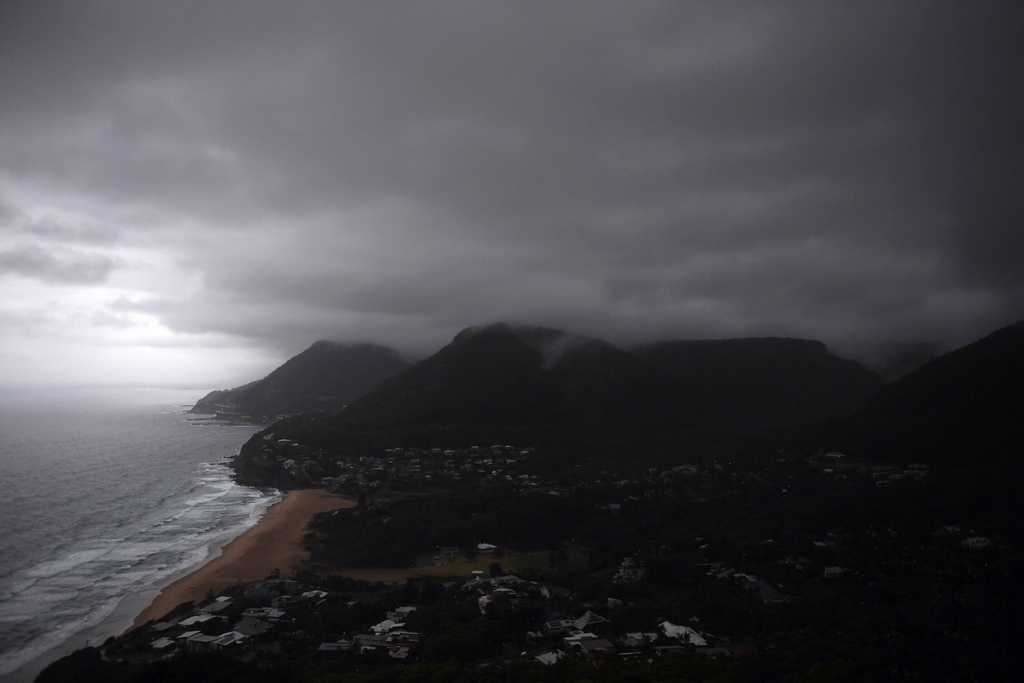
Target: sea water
pixel 106 495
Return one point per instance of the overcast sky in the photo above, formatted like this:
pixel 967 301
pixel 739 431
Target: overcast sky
pixel 196 191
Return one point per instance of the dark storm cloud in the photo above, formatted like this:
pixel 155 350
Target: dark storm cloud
pixel 66 266
pixel 57 231
pixel 396 171
pixel 982 156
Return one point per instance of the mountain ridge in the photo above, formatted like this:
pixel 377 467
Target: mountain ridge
pixel 524 374
pixel 326 376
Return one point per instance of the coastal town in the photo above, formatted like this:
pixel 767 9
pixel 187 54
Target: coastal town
pixel 440 468
pixel 696 567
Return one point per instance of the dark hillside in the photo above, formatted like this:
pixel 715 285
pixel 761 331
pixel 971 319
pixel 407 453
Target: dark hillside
pixel 525 375
pixel 763 381
pixel 326 376
pixel 506 375
pixel 964 407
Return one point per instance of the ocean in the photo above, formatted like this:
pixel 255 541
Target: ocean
pixel 106 496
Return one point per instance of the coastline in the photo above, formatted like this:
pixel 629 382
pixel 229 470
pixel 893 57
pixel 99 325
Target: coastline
pixel 275 542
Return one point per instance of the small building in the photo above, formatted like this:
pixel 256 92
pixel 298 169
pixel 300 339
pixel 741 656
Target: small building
pixel 199 619
pixel 217 606
pixel 557 625
pixel 596 646
pixel 549 657
pixel 161 643
pixel 400 614
pixel 638 639
pixel 386 626
pixel 335 646
pixel 182 639
pixel 683 634
pixel 200 643
pixel 589 619
pixel 285 601
pixel 228 640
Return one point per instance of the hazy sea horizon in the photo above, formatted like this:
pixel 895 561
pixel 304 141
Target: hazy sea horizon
pixel 107 494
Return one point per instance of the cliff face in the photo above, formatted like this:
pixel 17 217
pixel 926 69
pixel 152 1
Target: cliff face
pixel 326 376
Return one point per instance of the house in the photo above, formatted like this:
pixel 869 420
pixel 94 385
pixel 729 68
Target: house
pixel 477 582
pixel 509 580
pixel 366 642
pixel 284 601
pixel 228 640
pixel 217 606
pixel 386 626
pixel 199 619
pixel 200 642
pixel 410 638
pixel 399 652
pixel 258 620
pixel 161 643
pixel 164 626
pixel 683 634
pixel 589 619
pixel 577 637
pixel 182 640
pixel 335 646
pixel 636 640
pixel 549 657
pixel 557 625
pixel 316 598
pixel 399 614
pixel 628 572
pixel 596 646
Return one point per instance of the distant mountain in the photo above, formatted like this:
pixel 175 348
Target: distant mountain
pixel 964 407
pixel 507 374
pixel 327 375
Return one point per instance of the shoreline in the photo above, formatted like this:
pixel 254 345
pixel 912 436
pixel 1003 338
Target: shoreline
pixel 275 542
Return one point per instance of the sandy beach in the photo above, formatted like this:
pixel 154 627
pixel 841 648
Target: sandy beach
pixel 274 543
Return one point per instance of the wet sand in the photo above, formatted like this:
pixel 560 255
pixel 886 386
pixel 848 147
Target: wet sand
pixel 274 543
